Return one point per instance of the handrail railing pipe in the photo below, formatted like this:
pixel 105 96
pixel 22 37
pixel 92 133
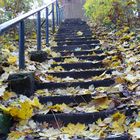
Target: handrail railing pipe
pixel 20 21
pixel 47 26
pixel 53 19
pixel 38 31
pixel 57 13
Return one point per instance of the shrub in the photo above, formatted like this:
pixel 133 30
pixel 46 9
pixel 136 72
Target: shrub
pixel 111 12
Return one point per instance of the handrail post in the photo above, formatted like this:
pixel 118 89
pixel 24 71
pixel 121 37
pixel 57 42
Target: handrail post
pixel 21 45
pixel 57 14
pixel 38 31
pixel 60 15
pixel 53 19
pixel 47 26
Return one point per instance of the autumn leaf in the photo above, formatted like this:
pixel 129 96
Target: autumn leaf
pixel 15 135
pixel 25 111
pixel 50 133
pixel 101 102
pixel 12 60
pixel 119 80
pixel 71 60
pixel 60 108
pixel 79 33
pixel 5 109
pixel 10 47
pixel 117 127
pixel 7 95
pixel 49 78
pixel 131 78
pixel 35 102
pixel 58 68
pixel 119 117
pixel 74 129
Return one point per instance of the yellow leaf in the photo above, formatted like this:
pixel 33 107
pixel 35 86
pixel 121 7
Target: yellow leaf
pixel 14 111
pixel 25 111
pixel 74 129
pixel 138 102
pixel 102 103
pixel 58 68
pixel 5 109
pixel 119 117
pixel 79 33
pixel 49 78
pixel 71 60
pixel 12 59
pixel 126 29
pixel 115 64
pixel 137 124
pixel 10 47
pixel 60 108
pixel 117 127
pixel 54 54
pixel 15 135
pixel 114 58
pixel 7 95
pixel 119 80
pixel 36 103
pixel 40 92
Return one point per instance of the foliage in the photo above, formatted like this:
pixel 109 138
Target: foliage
pixel 22 110
pixel 111 11
pixel 12 8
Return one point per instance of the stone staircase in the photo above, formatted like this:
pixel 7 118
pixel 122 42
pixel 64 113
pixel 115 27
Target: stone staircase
pixel 75 40
pixel 76 85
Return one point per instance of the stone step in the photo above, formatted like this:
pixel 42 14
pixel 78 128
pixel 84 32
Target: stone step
pixel 75 39
pixel 86 118
pixel 65 34
pixel 75 47
pixel 99 83
pixel 80 74
pixel 73 99
pixel 83 66
pixel 90 58
pixel 78 53
pixel 71 36
pixel 80 42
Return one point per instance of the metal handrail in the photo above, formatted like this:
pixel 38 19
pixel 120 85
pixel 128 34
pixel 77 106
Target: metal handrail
pixel 12 22
pixel 20 20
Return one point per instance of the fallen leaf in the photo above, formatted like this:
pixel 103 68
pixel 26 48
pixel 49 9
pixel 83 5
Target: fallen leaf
pixel 119 80
pixel 74 129
pixel 35 102
pixel 16 135
pixel 60 108
pixel 25 111
pixel 7 95
pixel 131 78
pixel 79 33
pixel 12 59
